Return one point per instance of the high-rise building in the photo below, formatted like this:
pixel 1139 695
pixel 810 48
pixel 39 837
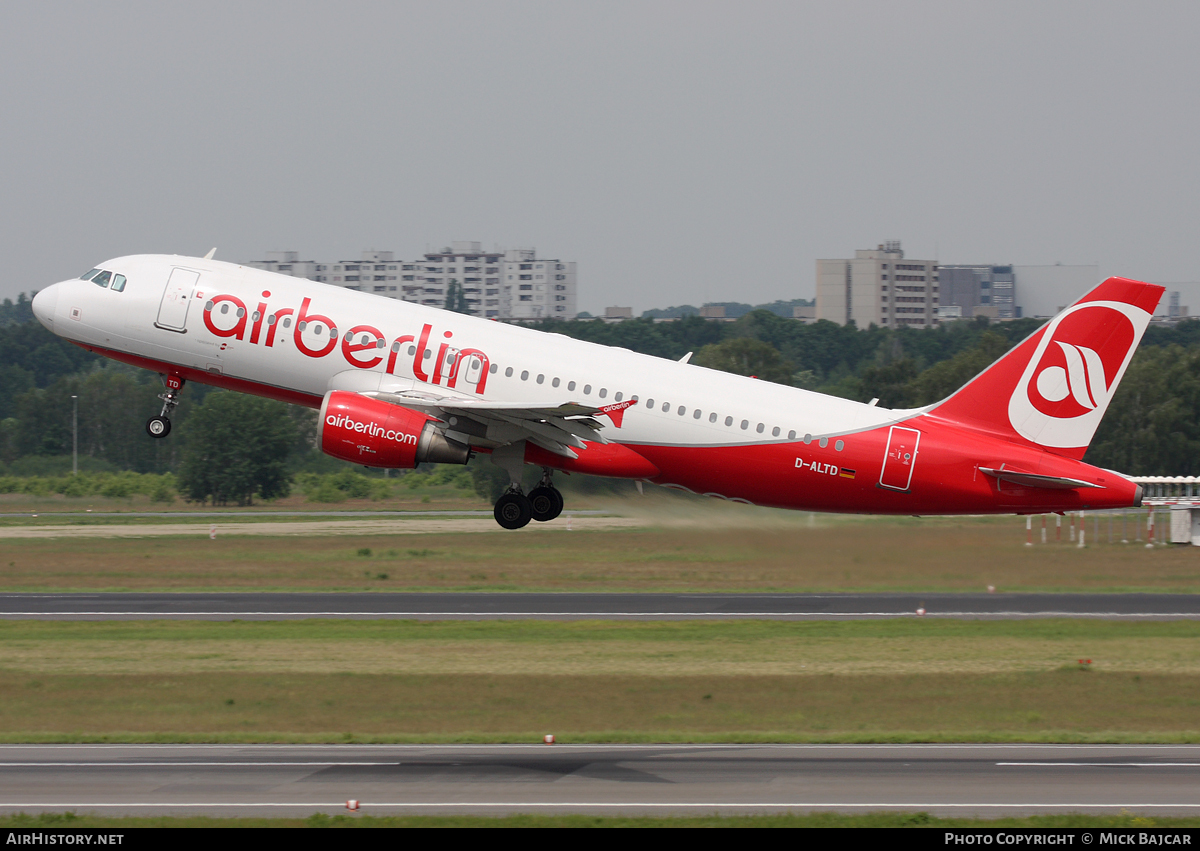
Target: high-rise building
pixel 878 286
pixel 498 284
pixel 980 290
pixel 287 263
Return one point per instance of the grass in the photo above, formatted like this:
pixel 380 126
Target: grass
pixel 817 819
pixel 694 551
pixel 600 681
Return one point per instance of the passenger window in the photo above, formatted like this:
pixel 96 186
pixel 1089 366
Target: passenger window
pixel 541 379
pixel 775 432
pixel 587 390
pixel 760 428
pixel 493 368
pixel 682 410
pixel 118 284
pixel 87 276
pixel 792 435
pixel 508 372
pixel 618 397
pixel 571 385
pixel 102 279
pixel 745 424
pixel 696 415
pixel 287 322
pixel 666 406
pixel 603 392
pixel 396 346
pixel 412 350
pixel 524 375
pixel 729 421
pixel 712 418
pixel 823 442
pixel 839 446
pixel 555 383
pixel 271 321
pixel 807 439
pixel 649 403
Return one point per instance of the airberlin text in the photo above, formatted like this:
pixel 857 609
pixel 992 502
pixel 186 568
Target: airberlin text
pixel 363 346
pixel 342 421
pixel 817 467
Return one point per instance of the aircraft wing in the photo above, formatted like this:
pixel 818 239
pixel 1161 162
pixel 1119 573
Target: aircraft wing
pixel 560 429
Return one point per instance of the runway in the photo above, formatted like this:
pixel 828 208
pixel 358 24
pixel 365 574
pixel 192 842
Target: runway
pixel 569 606
pixel 967 780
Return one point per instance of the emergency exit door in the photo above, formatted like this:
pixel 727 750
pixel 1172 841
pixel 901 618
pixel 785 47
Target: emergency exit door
pixel 900 458
pixel 173 309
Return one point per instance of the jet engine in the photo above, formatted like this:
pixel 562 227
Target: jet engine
pixel 374 433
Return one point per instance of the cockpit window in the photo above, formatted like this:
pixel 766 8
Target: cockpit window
pixel 118 284
pixel 102 279
pixel 87 276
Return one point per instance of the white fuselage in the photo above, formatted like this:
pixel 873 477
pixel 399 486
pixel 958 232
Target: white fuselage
pixel 691 404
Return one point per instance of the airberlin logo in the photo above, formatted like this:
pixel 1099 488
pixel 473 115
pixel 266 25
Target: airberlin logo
pixel 429 357
pixel 1082 378
pixel 373 429
pixel 1067 384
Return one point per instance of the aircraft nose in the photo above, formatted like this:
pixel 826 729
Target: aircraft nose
pixel 44 304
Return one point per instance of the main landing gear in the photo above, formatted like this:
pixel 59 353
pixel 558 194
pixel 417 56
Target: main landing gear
pixel 160 426
pixel 514 510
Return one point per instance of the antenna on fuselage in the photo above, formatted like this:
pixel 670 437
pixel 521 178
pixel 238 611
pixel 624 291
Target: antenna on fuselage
pixel 211 252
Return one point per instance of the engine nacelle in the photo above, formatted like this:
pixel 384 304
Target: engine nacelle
pixel 373 433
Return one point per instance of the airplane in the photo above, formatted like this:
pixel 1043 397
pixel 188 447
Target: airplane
pixel 398 384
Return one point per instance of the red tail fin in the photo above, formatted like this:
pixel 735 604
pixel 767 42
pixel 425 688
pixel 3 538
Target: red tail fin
pixel 1054 387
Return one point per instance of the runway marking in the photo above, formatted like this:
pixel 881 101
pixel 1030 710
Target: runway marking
pixel 1104 764
pixel 606 804
pixel 179 764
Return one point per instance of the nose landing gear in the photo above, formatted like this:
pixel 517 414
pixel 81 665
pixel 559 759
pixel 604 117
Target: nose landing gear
pixel 160 426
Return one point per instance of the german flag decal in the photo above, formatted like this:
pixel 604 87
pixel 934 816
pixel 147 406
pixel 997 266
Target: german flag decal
pixel 846 473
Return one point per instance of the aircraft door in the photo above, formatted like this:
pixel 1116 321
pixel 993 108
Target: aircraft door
pixel 177 295
pixel 473 369
pixel 900 458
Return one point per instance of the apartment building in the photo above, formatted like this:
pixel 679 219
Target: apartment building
pixel 878 286
pixel 979 290
pixel 499 284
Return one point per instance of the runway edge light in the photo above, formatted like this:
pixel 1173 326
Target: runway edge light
pixel 548 738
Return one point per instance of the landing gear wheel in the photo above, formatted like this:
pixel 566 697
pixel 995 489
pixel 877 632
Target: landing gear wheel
pixel 547 503
pixel 513 510
pixel 158 426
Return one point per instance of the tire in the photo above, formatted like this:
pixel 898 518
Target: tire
pixel 513 511
pixel 158 427
pixel 547 503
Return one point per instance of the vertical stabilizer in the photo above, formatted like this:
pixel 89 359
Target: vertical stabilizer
pixel 1053 388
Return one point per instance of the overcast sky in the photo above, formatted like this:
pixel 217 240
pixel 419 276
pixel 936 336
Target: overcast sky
pixel 681 152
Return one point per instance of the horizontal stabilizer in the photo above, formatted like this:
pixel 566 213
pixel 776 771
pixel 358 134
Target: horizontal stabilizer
pixel 1032 480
